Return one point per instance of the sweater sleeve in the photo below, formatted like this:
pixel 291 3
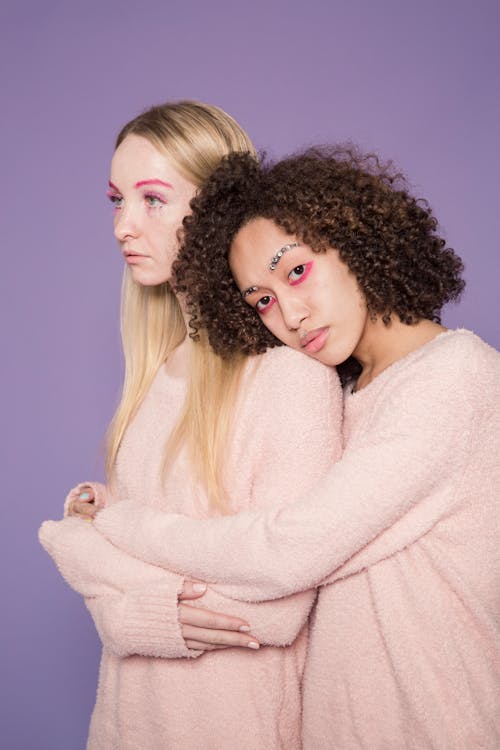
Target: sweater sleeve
pixel 133 604
pixel 408 460
pixel 284 418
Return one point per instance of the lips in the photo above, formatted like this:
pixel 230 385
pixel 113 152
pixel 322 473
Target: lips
pixel 314 340
pixel 133 254
pixel 132 257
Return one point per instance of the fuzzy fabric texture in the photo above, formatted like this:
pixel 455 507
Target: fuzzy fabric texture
pixel 404 536
pixel 286 436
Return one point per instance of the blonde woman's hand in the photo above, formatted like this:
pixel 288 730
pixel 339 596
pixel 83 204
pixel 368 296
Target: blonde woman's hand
pixel 83 505
pixel 205 630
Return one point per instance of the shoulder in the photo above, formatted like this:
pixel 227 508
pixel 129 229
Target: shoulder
pixel 453 381
pixel 284 370
pixel 286 387
pixel 458 361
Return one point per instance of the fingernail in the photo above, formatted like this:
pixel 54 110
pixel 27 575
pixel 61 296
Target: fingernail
pixel 245 628
pixel 89 518
pixel 199 587
pixel 84 495
pixel 253 644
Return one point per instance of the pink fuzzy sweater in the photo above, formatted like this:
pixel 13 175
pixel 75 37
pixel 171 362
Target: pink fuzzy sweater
pixel 286 435
pixel 404 533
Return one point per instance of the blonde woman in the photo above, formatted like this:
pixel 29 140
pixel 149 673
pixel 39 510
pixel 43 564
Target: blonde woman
pixel 201 436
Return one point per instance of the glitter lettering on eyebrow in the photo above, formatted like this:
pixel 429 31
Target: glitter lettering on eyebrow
pixel 276 258
pixel 250 290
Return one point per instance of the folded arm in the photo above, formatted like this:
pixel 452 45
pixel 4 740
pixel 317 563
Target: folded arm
pixel 285 422
pixel 390 471
pixel 134 604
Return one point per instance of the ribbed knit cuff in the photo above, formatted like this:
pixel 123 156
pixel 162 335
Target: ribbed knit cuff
pixel 151 626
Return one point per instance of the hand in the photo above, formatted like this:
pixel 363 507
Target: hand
pixel 83 507
pixel 205 630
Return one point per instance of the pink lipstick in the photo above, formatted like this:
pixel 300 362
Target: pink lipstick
pixel 313 341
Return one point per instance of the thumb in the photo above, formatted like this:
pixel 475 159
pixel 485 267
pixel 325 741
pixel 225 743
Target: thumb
pixel 192 590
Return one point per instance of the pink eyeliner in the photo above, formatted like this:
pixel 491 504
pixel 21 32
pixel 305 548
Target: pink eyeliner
pixel 307 271
pixel 267 308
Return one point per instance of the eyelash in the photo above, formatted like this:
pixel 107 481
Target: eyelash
pixel 271 300
pixel 153 200
pixel 115 200
pixel 154 197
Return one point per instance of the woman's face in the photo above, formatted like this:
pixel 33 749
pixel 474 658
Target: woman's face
pixel 310 301
pixel 150 199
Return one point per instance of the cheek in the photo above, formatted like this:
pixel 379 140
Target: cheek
pixel 274 322
pixel 165 236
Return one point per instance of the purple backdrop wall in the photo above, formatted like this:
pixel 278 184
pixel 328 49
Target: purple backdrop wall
pixel 416 81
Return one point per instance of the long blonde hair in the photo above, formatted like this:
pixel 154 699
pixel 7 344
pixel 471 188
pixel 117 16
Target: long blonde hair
pixel 196 137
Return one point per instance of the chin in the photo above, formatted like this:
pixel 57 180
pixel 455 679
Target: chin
pixel 332 358
pixel 143 278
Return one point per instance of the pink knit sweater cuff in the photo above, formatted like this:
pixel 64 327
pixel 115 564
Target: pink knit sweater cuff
pixel 151 624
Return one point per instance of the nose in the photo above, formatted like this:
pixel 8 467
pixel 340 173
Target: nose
pixel 125 224
pixel 294 312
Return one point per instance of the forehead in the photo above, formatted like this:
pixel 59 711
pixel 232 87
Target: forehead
pixel 137 159
pixel 259 239
pixel 252 249
pixel 256 252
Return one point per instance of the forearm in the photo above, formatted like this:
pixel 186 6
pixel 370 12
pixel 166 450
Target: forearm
pixel 374 485
pixel 272 623
pixel 144 623
pixel 134 604
pixel 91 564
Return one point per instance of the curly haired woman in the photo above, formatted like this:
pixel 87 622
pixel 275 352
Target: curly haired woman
pixel 199 435
pixel 332 256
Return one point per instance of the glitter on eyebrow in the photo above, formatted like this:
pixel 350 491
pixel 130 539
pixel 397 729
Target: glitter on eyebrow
pixel 250 290
pixel 276 258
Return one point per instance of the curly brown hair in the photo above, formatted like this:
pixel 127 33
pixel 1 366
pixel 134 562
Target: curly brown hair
pixel 332 197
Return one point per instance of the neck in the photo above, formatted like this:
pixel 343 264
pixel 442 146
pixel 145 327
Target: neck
pixel 181 299
pixel 178 361
pixel 380 345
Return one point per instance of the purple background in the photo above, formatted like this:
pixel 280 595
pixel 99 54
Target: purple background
pixel 416 81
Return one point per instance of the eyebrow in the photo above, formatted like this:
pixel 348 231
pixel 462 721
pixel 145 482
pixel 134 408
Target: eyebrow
pixel 153 182
pixel 272 265
pixel 144 182
pixel 250 290
pixel 277 256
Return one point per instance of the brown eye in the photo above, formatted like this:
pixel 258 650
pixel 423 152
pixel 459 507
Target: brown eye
pixel 299 273
pixel 265 304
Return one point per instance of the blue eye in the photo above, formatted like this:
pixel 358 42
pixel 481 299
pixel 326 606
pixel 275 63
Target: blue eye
pixel 154 201
pixel 116 200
